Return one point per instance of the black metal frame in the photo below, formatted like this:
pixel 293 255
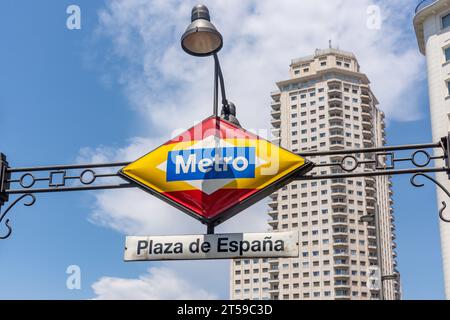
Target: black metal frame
pixel 346 163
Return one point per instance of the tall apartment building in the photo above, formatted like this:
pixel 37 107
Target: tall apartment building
pixel 327 104
pixel 432 26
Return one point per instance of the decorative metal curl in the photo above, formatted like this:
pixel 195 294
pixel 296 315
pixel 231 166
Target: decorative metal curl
pixel 30 202
pixel 418 185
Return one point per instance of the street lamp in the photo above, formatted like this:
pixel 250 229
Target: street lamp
pixel 374 218
pixel 201 39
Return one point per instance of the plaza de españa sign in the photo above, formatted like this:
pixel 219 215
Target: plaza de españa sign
pixel 214 170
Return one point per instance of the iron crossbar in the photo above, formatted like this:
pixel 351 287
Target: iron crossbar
pixel 340 163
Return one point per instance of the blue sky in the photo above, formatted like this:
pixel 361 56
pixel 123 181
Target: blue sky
pixel 102 92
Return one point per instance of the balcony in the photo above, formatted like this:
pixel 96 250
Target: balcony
pixel 340 223
pixel 342 295
pixel 341 273
pixel 339 215
pixel 370 206
pixel 368 143
pixel 341 284
pixel 367 125
pixel 340 202
pixel 367 134
pixel 338 183
pixel 337 138
pixel 340 231
pixel 365 100
pixel 334 82
pixel 335 118
pixel 337 133
pixel 340 254
pixel 274 196
pixel 336 144
pixel 335 110
pixel 365 107
pixel 370 188
pixel 276 114
pixel 273 222
pixel 273 213
pixel 337 124
pixel 372 246
pixel 340 243
pixel 365 93
pixel 335 99
pixel 366 116
pixel 339 192
pixel 274 280
pixel 372 235
pixel 273 205
pixel 276 123
pixel 370 197
pixel 276 105
pixel 274 270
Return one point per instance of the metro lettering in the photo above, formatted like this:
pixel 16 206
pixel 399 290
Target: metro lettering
pixel 211 163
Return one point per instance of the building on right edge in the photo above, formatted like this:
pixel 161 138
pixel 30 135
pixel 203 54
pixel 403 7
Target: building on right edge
pixel 432 26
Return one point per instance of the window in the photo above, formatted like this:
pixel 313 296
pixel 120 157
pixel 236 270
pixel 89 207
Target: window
pixel 448 87
pixel 446 21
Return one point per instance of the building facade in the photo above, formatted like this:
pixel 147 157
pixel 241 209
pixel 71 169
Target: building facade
pixel 327 104
pixel 432 26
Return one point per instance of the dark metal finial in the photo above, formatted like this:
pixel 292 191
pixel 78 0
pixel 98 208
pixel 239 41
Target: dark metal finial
pixel 200 11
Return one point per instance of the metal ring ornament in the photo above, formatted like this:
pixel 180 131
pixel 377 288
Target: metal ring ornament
pixel 28 203
pixel 89 181
pixel 352 168
pixel 419 185
pixel 27 185
pixel 413 158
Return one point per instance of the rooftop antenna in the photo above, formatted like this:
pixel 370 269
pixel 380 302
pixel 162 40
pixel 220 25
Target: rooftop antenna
pixel 329 44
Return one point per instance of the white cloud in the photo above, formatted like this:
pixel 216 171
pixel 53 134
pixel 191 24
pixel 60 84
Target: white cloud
pixel 171 90
pixel 158 284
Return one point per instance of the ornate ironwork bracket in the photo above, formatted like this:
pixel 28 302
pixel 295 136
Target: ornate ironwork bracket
pixel 31 201
pixel 26 182
pixel 419 185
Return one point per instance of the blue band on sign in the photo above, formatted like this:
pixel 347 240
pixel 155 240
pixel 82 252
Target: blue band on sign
pixel 203 164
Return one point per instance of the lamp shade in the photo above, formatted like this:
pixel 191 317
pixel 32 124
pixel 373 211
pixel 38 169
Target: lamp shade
pixel 201 37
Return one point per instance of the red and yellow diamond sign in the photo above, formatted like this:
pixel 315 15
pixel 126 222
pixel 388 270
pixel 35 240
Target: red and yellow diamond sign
pixel 215 170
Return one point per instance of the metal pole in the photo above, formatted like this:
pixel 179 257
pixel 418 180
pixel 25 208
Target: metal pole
pixel 379 255
pixel 222 82
pixel 210 229
pixel 3 179
pixel 216 89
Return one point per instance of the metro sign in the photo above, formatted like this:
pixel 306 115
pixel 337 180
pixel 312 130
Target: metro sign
pixel 215 170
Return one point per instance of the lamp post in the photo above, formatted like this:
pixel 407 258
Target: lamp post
pixel 201 39
pixel 375 218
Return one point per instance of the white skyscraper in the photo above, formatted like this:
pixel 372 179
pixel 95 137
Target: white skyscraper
pixel 326 104
pixel 432 25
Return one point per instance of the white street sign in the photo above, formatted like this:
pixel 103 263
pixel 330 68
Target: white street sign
pixel 212 246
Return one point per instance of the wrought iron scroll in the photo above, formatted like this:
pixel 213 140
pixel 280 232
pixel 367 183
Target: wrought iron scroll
pixel 30 202
pixel 419 185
